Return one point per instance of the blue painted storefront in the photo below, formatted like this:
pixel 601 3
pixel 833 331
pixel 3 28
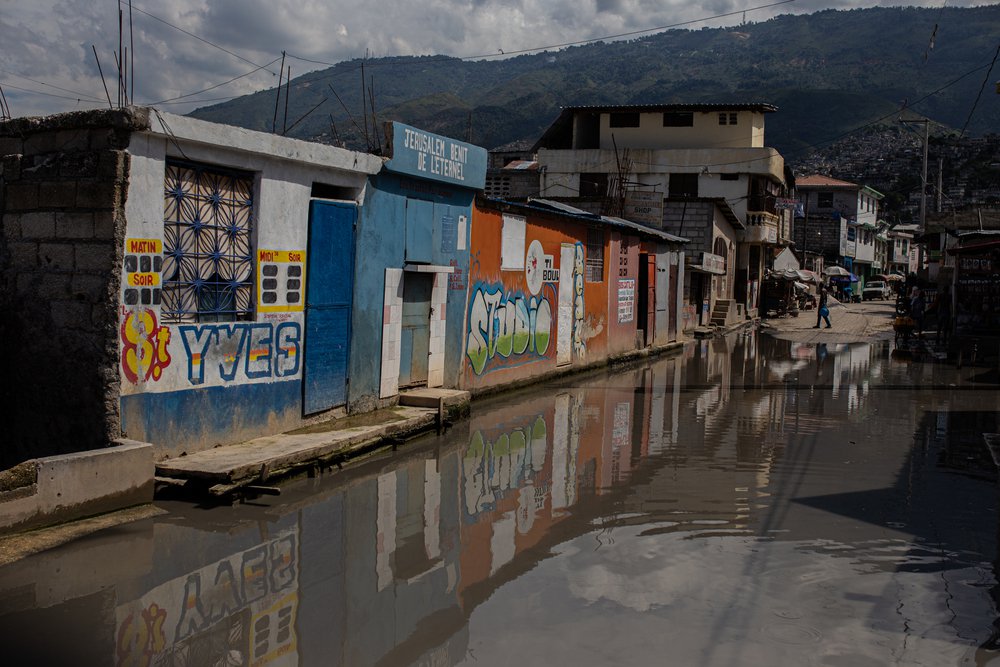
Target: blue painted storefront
pixel 416 218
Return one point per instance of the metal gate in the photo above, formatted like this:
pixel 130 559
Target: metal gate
pixel 564 322
pixel 414 347
pixel 329 286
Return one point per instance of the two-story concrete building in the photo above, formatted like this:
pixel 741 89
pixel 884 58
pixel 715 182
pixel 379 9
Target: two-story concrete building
pixel 613 155
pixel 839 220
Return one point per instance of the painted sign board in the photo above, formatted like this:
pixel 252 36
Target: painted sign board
pixel 432 156
pixel 713 263
pixel 645 207
pixel 785 204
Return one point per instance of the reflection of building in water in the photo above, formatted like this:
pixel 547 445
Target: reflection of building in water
pixel 240 608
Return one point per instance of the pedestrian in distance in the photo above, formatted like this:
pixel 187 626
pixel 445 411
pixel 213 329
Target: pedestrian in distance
pixel 823 312
pixel 942 308
pixel 917 307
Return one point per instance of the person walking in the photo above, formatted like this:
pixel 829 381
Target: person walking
pixel 917 307
pixel 823 312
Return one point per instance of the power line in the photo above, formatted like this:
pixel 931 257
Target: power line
pixel 985 81
pixel 505 53
pixel 63 97
pixel 49 85
pixel 218 85
pixel 200 39
pixel 831 140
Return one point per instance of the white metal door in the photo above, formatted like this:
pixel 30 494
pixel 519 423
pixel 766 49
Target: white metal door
pixel 564 340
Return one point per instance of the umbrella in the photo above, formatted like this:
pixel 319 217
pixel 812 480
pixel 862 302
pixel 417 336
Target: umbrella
pixel 836 271
pixel 807 276
pixel 895 278
pixel 849 278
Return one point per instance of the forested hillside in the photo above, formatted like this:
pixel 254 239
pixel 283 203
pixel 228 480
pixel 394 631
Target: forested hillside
pixel 828 73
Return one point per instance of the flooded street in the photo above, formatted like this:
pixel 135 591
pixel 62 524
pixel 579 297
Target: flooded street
pixel 751 501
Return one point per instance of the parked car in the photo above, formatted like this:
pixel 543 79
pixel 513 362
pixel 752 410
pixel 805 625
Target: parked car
pixel 876 289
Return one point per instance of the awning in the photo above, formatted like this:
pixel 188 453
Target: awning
pixel 701 268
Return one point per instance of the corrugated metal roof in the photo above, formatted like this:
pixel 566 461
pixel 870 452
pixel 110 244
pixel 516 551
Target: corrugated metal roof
pixel 762 107
pixel 522 165
pixel 818 180
pixel 617 222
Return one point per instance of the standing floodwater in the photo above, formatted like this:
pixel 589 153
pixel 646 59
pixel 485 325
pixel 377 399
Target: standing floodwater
pixel 748 502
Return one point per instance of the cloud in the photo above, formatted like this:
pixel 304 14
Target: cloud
pixel 49 41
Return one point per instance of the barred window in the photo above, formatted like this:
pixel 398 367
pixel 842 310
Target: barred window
pixel 207 255
pixel 595 255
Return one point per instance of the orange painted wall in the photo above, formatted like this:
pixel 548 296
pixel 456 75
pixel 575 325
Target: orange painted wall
pixel 623 268
pixel 502 302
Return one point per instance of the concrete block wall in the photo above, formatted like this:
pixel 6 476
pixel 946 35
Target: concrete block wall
pixel 690 220
pixel 63 185
pixel 824 235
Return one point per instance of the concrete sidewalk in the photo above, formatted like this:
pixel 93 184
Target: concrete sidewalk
pixel 224 469
pixel 852 323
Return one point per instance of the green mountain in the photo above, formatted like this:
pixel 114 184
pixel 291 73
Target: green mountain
pixel 829 73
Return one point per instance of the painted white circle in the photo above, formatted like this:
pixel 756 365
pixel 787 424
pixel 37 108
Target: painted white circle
pixel 534 262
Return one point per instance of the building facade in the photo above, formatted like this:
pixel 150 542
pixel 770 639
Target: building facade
pixel 839 220
pixel 412 267
pixel 552 287
pixel 676 152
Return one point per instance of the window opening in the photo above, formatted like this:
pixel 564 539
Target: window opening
pixel 207 254
pixel 683 185
pixel 678 119
pixel 625 119
pixel 595 255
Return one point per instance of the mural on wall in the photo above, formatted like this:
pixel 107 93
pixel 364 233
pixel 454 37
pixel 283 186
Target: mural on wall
pixel 144 346
pixel 253 351
pixel 242 607
pixel 511 459
pixel 583 328
pixel 505 325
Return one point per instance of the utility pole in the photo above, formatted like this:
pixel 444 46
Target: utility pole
pixel 923 173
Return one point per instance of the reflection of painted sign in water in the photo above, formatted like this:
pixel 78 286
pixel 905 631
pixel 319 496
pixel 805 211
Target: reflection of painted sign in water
pixel 280 280
pixel 258 350
pixel 626 300
pixel 144 346
pixel 241 607
pixel 510 460
pixel 506 325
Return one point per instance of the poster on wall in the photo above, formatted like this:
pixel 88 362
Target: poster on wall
pixel 626 300
pixel 143 263
pixel 280 280
pixel 539 268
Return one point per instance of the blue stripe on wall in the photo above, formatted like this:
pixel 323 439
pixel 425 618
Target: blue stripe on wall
pixel 196 419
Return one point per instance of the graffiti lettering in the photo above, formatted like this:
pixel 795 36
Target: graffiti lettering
pixel 505 325
pixel 511 460
pixel 144 346
pixel 237 582
pixel 260 350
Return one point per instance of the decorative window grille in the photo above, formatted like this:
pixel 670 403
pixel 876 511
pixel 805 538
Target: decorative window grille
pixel 594 272
pixel 207 255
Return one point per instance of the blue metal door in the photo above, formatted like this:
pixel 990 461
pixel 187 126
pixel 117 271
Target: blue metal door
pixel 329 286
pixel 415 343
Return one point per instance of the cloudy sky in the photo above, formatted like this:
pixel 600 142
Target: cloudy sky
pixel 184 47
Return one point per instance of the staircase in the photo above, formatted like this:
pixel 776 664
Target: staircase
pixel 720 313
